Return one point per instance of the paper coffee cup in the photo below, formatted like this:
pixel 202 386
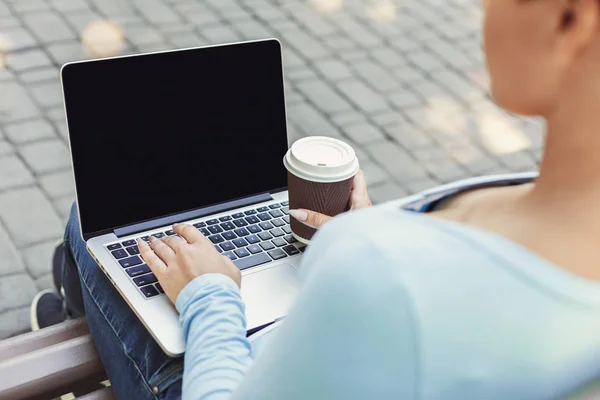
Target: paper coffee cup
pixel 321 171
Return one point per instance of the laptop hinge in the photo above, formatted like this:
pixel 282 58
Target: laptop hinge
pixel 186 216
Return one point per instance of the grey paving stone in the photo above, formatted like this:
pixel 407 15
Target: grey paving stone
pixel 18 39
pixel 353 55
pixel 63 53
pixel 150 47
pixel 220 34
pixel 315 23
pixel 480 165
pixel 333 69
pixel 29 217
pixel 5 148
pixel 339 43
pixel 58 184
pixel 310 121
pixel 38 258
pixel 304 44
pixel 365 98
pixel 388 57
pixel 4 10
pixel 425 61
pixel 155 11
pixel 396 161
pixel 24 7
pixel 48 27
pixel 405 44
pixel 456 84
pixel 29 59
pixel 389 118
pixel 6 75
pixel 282 26
pixel 13 173
pixel 15 103
pixel 268 13
pixel 189 39
pixel 45 282
pixel 451 55
pixel 374 174
pixel 177 28
pixel 63 206
pixel 8 22
pixel 518 161
pixel 376 76
pixel 12 263
pixel 357 32
pixel 31 130
pixel 235 15
pixel 141 35
pixel 429 90
pixel 409 137
pixel 444 170
pixel 40 75
pixel 386 192
pixel 364 134
pixel 81 19
pixel 405 98
pixel 202 17
pixel 252 29
pixel 429 154
pixel 291 59
pixel 323 96
pixel 420 185
pixel 69 6
pixel 300 74
pixel 16 291
pixel 46 156
pixel 47 94
pixel 14 322
pixel 348 118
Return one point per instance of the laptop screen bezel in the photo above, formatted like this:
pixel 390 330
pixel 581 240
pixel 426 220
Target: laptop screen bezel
pixel 68 66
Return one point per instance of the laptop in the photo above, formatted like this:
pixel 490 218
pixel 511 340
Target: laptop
pixel 193 135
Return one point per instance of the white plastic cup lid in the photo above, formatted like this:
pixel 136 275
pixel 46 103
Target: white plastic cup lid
pixel 321 159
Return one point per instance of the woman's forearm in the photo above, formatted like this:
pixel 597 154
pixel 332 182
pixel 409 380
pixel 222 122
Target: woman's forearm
pixel 214 327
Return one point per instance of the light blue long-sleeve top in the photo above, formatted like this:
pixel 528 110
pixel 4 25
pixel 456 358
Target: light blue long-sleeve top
pixel 396 305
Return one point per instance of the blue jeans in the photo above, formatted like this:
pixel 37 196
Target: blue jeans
pixel 136 366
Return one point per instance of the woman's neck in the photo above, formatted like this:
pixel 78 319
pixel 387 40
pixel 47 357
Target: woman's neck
pixel 570 167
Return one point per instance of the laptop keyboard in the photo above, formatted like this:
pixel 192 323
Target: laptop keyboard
pixel 249 238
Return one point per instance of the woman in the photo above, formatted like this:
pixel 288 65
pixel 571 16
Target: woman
pixel 493 294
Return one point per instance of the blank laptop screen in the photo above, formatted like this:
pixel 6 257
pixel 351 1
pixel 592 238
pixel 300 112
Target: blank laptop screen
pixel 159 134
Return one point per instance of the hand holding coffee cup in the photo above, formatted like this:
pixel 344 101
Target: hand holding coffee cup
pixel 323 181
pixel 359 198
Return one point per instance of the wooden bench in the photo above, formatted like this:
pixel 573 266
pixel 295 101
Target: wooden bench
pixel 52 362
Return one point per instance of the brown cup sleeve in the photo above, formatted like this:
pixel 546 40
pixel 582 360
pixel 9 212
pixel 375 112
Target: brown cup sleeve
pixel 326 198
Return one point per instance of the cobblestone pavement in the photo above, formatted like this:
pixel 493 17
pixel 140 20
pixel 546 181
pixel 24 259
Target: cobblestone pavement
pixel 402 80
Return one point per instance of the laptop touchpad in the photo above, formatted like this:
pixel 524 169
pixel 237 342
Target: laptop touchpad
pixel 268 294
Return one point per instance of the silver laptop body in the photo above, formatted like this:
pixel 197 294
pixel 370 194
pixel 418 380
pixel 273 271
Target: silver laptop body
pixel 193 135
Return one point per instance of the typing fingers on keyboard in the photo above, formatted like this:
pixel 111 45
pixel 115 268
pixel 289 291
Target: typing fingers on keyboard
pixel 174 242
pixel 189 233
pixel 150 258
pixel 163 251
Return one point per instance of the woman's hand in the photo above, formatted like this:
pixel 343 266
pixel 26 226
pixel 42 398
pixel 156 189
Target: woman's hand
pixel 176 262
pixel 359 198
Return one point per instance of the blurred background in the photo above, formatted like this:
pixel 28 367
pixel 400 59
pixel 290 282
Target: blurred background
pixel 403 81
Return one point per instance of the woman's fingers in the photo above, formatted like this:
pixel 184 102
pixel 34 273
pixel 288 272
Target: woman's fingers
pixel 174 242
pixel 189 233
pixel 164 252
pixel 310 218
pixel 150 258
pixel 360 197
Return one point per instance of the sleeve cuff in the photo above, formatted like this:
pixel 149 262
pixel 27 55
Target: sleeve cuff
pixel 201 286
